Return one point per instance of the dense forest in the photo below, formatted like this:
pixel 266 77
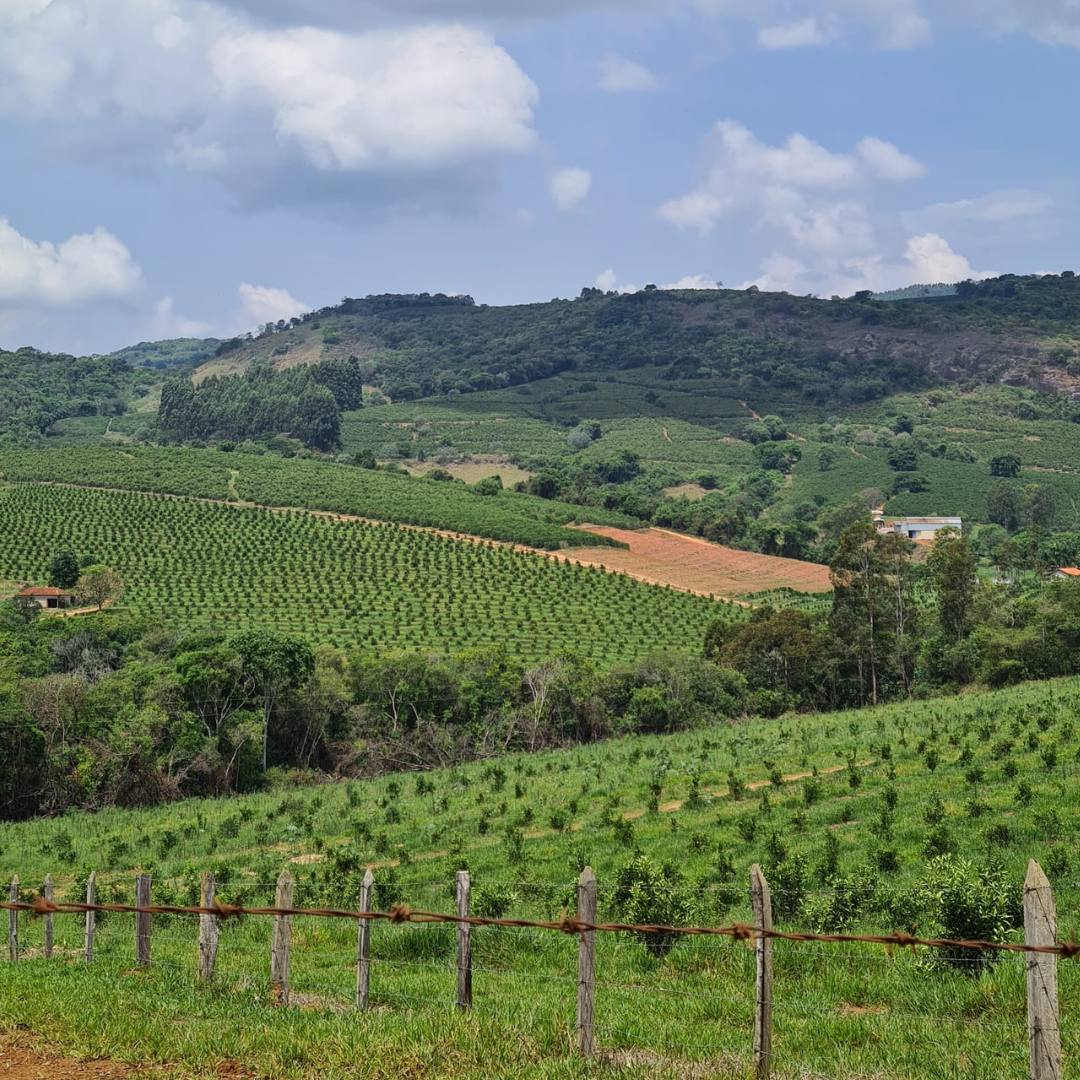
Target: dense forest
pixel 37 389
pixel 304 402
pixel 837 351
pixel 115 709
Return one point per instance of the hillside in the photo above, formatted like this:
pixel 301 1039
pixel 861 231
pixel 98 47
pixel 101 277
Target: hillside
pixel 864 821
pixel 829 352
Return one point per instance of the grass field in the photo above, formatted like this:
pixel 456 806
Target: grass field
pixel 844 810
pixel 344 583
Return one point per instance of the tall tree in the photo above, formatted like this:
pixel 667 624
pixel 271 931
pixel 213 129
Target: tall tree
pixel 952 566
pixel 64 570
pixel 273 665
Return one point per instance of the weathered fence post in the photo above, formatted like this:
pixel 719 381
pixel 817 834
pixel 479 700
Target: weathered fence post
pixel 463 889
pixel 761 900
pixel 91 898
pixel 13 921
pixel 208 929
pixel 586 913
pixel 363 943
pixel 142 921
pixel 1040 928
pixel 47 894
pixel 279 950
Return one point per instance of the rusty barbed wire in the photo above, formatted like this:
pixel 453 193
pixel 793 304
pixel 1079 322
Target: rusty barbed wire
pixel 567 924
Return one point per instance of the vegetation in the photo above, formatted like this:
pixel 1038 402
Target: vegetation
pixel 917 816
pixel 270 480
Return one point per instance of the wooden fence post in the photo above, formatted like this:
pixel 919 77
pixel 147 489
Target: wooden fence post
pixel 586 912
pixel 142 921
pixel 13 921
pixel 279 949
pixel 91 920
pixel 208 930
pixel 47 894
pixel 761 901
pixel 1040 928
pixel 363 943
pixel 463 890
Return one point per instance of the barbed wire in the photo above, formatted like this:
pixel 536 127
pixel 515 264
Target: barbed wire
pixel 567 924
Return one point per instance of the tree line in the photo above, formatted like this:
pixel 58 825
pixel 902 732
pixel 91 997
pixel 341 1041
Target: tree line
pixel 305 402
pixel 117 710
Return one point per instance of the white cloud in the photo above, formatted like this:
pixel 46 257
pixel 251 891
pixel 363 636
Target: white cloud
pixel 744 172
pixel 569 188
pixel 620 75
pixel 606 280
pixel 167 322
pixel 794 35
pixel 260 304
pixel 933 260
pixel 693 281
pixel 886 161
pixel 85 267
pixel 198 86
pixel 993 208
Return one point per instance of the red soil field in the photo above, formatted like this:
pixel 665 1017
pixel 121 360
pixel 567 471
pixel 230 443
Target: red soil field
pixel 661 557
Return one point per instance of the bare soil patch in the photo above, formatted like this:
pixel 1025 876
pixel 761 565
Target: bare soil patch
pixel 692 492
pixel 661 557
pixel 24 1058
pixel 471 471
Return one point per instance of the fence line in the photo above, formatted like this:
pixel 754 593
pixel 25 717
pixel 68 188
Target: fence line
pixel 1040 946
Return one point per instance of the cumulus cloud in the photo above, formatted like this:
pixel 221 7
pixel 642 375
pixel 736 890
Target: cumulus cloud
pixel 85 267
pixel 202 87
pixel 794 35
pixel 886 161
pixel 167 322
pixel 744 171
pixel 569 188
pixel 260 304
pixel 620 75
pixel 608 281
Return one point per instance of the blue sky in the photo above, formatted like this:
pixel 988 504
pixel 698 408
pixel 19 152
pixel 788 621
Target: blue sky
pixel 200 166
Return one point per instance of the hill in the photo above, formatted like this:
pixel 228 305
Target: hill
pixel 920 815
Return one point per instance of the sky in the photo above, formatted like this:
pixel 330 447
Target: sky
pixel 200 167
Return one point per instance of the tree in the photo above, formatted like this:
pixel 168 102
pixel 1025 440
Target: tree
pixel 99 585
pixel 904 457
pixel 1004 505
pixel 952 570
pixel 273 665
pixel 64 570
pixel 1005 465
pixel 826 458
pixel 1040 505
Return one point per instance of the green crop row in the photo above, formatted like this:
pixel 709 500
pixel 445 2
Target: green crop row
pixel 349 584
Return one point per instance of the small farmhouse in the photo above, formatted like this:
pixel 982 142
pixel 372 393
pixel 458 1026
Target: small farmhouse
pixel 1068 573
pixel 47 596
pixel 920 529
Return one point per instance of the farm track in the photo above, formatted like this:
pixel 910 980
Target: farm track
pixel 656 562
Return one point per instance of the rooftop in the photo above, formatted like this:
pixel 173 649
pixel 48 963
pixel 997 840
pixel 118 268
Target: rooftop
pixel 42 590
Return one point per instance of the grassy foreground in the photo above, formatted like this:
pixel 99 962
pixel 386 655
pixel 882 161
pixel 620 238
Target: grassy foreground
pixel 991 777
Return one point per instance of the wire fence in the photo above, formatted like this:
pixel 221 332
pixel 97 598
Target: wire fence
pixel 321 958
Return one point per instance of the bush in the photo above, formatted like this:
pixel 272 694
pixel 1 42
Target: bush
pixel 652 894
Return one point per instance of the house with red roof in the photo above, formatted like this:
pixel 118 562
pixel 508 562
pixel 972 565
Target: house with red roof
pixel 47 596
pixel 1068 573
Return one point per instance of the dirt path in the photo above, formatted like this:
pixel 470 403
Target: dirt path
pixel 664 432
pixel 753 414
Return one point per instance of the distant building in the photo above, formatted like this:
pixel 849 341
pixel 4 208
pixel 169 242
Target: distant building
pixel 47 596
pixel 922 530
pixel 1068 573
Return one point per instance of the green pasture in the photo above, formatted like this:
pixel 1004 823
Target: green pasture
pixel 845 811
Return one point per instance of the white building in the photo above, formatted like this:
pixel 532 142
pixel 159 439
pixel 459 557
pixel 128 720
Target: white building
pixel 919 529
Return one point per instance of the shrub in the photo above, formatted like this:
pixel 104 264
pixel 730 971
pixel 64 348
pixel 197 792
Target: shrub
pixel 653 894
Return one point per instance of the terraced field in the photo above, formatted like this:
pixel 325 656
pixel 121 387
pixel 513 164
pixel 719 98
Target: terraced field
pixel 344 583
